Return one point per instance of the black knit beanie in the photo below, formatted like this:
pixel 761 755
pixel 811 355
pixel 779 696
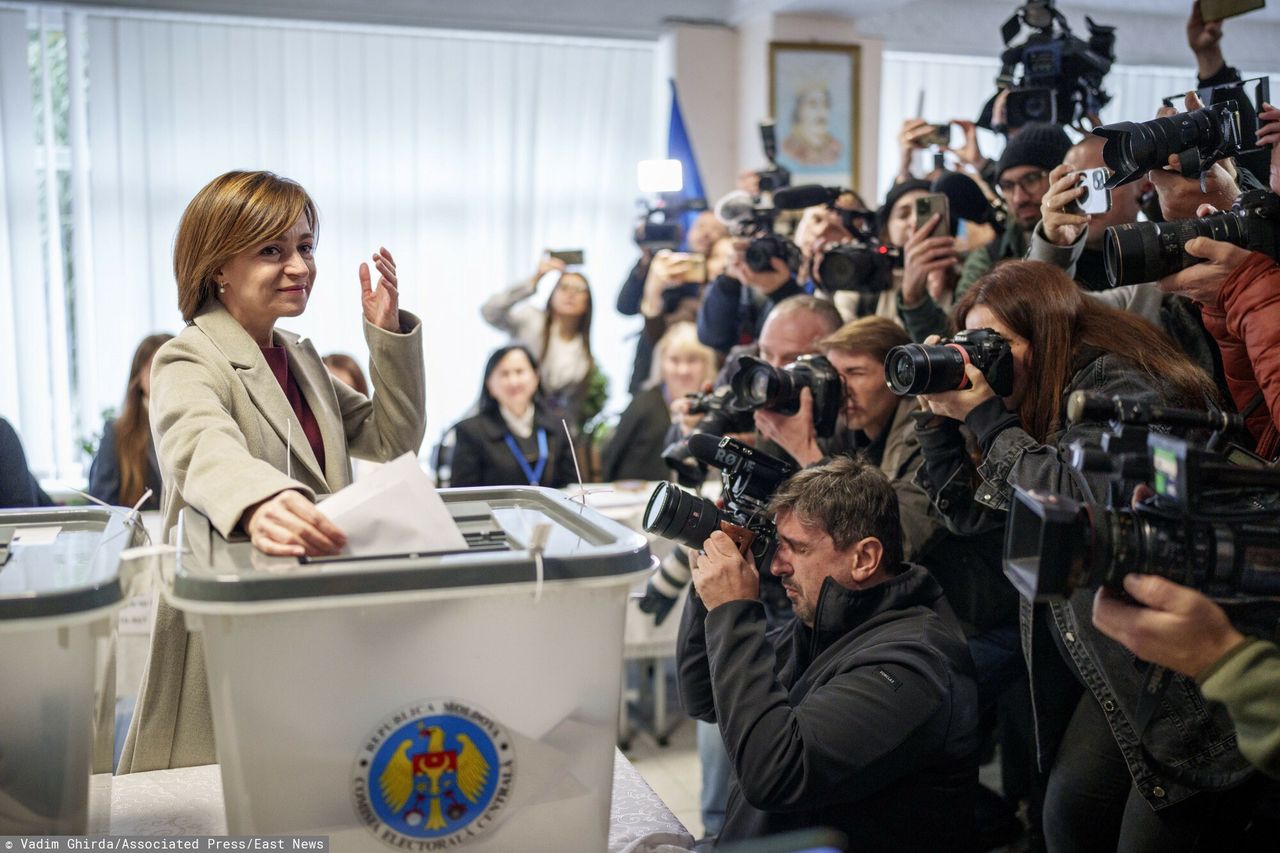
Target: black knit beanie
pixel 1038 144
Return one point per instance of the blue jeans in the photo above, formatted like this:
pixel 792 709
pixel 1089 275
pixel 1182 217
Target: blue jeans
pixel 715 777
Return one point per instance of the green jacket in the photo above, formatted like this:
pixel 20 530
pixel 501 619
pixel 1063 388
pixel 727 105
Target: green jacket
pixel 1247 682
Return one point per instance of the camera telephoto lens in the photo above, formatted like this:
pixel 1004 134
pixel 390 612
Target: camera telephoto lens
pixel 675 514
pixel 1132 148
pixel 1140 252
pixel 758 385
pixel 913 369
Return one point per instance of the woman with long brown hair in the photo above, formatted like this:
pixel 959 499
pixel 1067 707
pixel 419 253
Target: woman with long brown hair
pixel 1102 789
pixel 559 335
pixel 126 466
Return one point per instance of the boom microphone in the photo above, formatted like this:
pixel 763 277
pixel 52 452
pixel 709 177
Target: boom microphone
pixel 805 195
pixel 968 202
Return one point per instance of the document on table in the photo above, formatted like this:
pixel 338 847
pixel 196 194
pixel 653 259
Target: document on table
pixel 394 510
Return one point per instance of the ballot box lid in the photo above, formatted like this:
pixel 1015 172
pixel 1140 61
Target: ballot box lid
pixel 498 524
pixel 62 560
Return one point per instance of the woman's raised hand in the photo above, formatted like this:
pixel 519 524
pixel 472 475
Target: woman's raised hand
pixel 381 306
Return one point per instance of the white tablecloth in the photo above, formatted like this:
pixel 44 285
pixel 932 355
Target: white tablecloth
pixel 188 801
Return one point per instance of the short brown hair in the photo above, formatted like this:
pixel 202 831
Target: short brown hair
pixel 232 212
pixel 849 500
pixel 871 336
pixel 347 364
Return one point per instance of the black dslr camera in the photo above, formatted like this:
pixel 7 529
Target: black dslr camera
pixel 1062 75
pixel 757 385
pixel 753 216
pixel 913 369
pixel 863 264
pixel 1213 523
pixel 1226 128
pixel 749 477
pixel 1139 252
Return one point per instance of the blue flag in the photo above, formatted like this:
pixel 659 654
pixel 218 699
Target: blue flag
pixel 679 148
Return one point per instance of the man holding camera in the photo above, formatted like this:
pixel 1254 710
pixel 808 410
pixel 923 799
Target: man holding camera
pixel 861 713
pixel 736 305
pixel 661 284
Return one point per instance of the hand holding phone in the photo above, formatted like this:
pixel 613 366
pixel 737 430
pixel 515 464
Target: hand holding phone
pixel 569 257
pixel 1096 198
pixel 927 206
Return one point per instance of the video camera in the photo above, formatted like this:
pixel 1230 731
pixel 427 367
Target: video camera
pixel 1227 127
pixel 659 226
pixel 1138 252
pixel 752 216
pixel 749 478
pixel 1062 75
pixel 1212 523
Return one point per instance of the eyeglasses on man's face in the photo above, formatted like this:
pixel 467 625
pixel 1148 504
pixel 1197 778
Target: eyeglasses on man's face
pixel 1029 183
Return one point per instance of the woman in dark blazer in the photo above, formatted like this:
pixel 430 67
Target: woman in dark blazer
pixel 682 364
pixel 126 464
pixel 514 441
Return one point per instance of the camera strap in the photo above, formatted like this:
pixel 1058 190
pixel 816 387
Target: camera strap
pixel 534 474
pixel 1155 683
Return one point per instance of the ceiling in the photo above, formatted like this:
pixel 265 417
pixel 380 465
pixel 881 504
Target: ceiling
pixel 941 26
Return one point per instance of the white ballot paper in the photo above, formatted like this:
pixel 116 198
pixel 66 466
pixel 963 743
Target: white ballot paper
pixel 394 510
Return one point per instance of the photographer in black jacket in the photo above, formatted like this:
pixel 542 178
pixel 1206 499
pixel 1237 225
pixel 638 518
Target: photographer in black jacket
pixel 861 713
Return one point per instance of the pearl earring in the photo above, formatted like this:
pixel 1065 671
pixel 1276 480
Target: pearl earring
pixel 222 288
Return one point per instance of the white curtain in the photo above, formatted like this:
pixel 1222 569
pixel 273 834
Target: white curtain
pixel 465 154
pixel 959 86
pixel 32 325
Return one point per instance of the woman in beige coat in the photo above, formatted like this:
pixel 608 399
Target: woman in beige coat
pixel 249 428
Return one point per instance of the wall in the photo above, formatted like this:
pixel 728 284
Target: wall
pixel 703 60
pixel 723 78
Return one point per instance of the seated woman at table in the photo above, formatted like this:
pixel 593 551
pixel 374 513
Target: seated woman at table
pixel 683 364
pixel 514 441
pixel 250 430
pixel 126 464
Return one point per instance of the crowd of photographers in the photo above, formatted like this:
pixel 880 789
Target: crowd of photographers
pixel 1060 368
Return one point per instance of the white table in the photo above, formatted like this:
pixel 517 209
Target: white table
pixel 188 801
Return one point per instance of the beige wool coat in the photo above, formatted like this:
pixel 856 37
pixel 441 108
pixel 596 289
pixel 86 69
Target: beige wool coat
pixel 222 429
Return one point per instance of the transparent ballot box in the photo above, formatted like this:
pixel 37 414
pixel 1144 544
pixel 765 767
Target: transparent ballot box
pixel 59 593
pixel 420 701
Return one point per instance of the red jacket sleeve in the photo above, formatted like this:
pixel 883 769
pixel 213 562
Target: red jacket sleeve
pixel 1250 298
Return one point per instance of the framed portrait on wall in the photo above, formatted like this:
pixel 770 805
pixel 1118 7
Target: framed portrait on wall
pixel 813 95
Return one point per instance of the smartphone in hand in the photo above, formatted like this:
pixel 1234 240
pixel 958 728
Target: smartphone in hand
pixel 569 257
pixel 1096 198
pixel 927 206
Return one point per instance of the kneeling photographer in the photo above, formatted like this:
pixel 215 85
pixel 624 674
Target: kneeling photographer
pixel 789 337
pixel 1052 340
pixel 861 713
